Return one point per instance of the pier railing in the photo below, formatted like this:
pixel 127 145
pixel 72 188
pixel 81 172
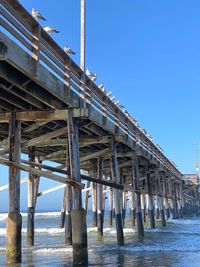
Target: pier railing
pixel 18 24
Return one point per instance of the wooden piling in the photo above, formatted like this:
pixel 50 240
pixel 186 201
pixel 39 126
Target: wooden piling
pixel 78 215
pixel 110 221
pixel 86 196
pixel 94 204
pixel 100 196
pixel 31 208
pixel 63 210
pixel 68 222
pixel 143 206
pixel 117 200
pixel 36 183
pixel 14 221
pixel 150 196
pixel 160 198
pixel 133 208
pixel 166 201
pixel 136 179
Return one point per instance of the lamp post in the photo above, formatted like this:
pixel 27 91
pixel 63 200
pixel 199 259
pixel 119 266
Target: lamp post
pixel 82 37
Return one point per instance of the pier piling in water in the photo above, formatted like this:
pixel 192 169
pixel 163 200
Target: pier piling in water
pixel 78 215
pixel 31 208
pixel 150 196
pixel 100 196
pixel 14 221
pixel 136 180
pixel 79 237
pixel 117 200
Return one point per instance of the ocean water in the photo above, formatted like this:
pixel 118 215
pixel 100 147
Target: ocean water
pixel 176 245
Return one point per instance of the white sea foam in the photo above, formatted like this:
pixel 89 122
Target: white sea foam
pixel 185 221
pixel 3 216
pixel 51 251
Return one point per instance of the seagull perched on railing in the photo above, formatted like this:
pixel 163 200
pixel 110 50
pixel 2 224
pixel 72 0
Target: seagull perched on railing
pixel 68 50
pixel 37 15
pixel 50 30
pixel 92 75
pixel 112 98
pixel 102 87
pixel 108 94
pixel 159 147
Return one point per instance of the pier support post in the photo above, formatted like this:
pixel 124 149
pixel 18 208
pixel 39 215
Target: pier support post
pixel 86 197
pixel 31 208
pixel 133 208
pixel 166 201
pixel 63 210
pixel 143 205
pixel 117 201
pixel 100 196
pixel 160 198
pixel 136 179
pixel 151 206
pixel 110 221
pixel 94 205
pixel 78 215
pixel 124 204
pixel 14 221
pixel 79 236
pixel 68 222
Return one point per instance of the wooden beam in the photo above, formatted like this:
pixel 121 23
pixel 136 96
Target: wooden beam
pixel 34 126
pixel 44 116
pixel 5 187
pixel 41 173
pixel 95 154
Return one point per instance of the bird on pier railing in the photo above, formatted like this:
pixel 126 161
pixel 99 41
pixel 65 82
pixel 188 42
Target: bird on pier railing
pixel 112 98
pixel 143 130
pixel 68 50
pixel 109 93
pixel 159 147
pixel 91 75
pixel 102 87
pixel 37 15
pixel 117 103
pixel 50 30
pixel 149 136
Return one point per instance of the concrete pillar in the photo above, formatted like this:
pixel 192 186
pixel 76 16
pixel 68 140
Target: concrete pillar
pixel 14 221
pixel 79 237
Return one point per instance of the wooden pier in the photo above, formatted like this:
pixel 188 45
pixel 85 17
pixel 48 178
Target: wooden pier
pixel 96 147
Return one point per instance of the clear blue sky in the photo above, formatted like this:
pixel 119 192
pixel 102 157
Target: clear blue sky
pixel 148 54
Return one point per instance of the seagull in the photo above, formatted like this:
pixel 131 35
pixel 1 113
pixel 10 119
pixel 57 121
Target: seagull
pixel 117 103
pixel 102 87
pixel 108 94
pixel 121 106
pixel 68 50
pixel 37 15
pixel 91 74
pixel 112 98
pixel 50 30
